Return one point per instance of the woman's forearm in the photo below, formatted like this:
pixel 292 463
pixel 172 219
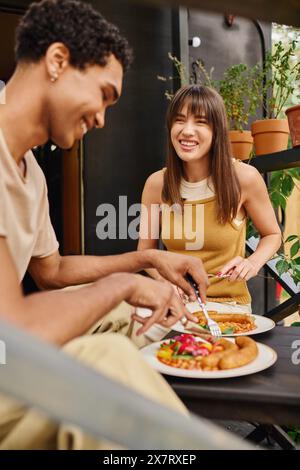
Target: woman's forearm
pixel 266 248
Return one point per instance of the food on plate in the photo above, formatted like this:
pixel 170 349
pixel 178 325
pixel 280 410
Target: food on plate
pixel 189 352
pixel 230 323
pixel 212 361
pixel 247 351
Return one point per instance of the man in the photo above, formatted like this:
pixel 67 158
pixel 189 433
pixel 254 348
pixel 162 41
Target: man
pixel 70 65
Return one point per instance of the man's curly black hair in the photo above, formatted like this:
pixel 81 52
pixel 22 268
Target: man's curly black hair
pixel 83 30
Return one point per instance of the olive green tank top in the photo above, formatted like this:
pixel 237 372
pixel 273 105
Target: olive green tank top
pixel 196 231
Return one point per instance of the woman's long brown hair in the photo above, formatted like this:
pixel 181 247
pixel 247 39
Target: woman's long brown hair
pixel 205 101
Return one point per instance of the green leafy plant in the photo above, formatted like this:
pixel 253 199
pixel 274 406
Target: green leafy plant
pixel 294 434
pixel 240 90
pixel 286 34
pixel 290 263
pixel 279 78
pixel 282 184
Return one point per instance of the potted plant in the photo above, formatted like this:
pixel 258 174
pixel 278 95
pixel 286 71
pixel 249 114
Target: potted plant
pixel 278 78
pixel 239 89
pixel 293 115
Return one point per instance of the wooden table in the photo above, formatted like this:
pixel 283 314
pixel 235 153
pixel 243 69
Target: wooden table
pixel 271 396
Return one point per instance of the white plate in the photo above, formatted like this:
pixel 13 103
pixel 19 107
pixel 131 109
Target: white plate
pixel 263 324
pixel 266 358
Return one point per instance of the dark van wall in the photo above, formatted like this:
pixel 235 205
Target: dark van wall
pixel 223 45
pixel 119 158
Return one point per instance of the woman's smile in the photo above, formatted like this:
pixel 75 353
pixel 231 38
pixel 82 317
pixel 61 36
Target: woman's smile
pixel 188 145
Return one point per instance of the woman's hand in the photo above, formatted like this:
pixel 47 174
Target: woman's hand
pixel 238 269
pixel 167 308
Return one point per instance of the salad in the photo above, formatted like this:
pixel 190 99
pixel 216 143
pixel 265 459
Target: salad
pixel 187 351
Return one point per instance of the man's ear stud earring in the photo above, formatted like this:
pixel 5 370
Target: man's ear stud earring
pixel 54 77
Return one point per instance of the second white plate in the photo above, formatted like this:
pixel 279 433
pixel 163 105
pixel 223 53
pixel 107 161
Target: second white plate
pixel 263 324
pixel 265 359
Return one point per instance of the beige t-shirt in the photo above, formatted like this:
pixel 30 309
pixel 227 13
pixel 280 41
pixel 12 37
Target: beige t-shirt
pixel 24 210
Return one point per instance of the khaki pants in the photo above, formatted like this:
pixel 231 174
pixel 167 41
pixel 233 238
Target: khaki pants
pixel 113 355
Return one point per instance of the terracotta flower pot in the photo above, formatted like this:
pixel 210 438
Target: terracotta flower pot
pixel 293 115
pixel 270 135
pixel 241 144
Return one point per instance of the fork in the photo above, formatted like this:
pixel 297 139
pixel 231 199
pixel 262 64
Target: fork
pixel 219 277
pixel 212 324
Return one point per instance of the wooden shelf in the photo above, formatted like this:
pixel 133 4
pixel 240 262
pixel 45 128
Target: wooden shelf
pixel 276 161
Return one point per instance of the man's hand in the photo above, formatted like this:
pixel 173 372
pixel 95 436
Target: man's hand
pixel 239 269
pixel 174 267
pixel 160 297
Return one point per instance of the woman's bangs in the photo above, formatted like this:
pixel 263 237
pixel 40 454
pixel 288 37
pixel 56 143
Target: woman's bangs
pixel 197 105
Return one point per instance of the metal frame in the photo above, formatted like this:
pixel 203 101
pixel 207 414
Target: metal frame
pixel 265 163
pixel 275 432
pixel 181 35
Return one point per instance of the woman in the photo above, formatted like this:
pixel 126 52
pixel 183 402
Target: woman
pixel 200 202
